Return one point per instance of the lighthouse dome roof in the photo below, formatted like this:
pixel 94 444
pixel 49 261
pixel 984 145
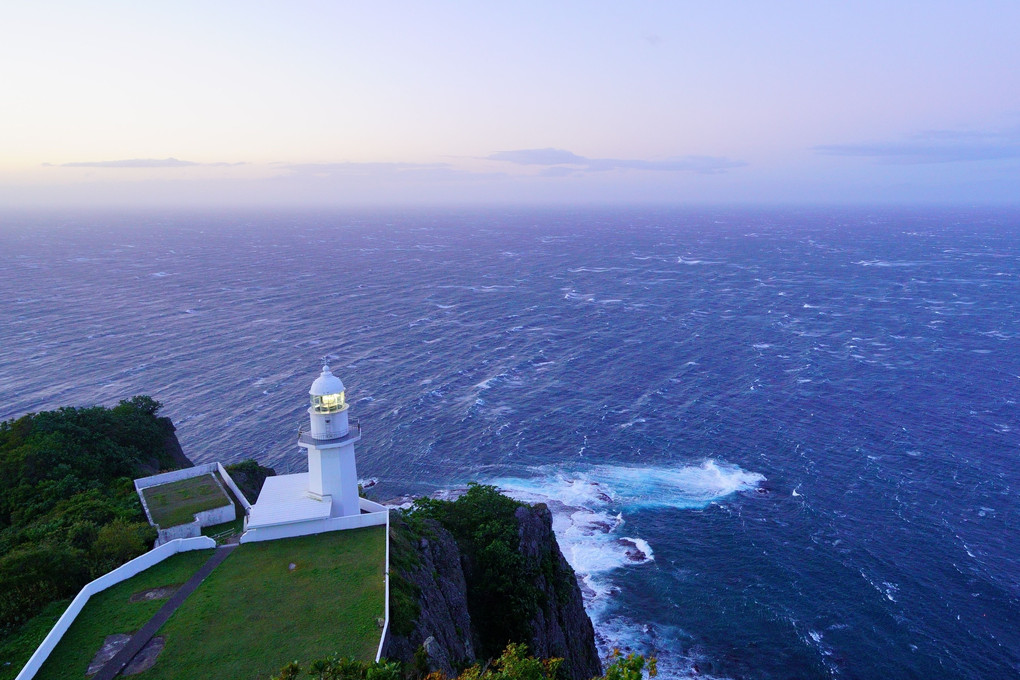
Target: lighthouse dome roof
pixel 326 383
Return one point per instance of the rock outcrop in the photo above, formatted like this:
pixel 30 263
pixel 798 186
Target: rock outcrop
pixel 249 477
pixel 428 597
pixel 172 447
pixel 166 454
pixel 561 627
pixel 430 606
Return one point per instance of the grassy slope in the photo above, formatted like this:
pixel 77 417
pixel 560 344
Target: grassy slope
pixel 253 614
pixel 111 612
pixel 177 502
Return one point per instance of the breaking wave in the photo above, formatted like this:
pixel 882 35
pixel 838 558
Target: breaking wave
pixel 589 508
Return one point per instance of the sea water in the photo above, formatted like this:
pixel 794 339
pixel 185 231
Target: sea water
pixel 776 444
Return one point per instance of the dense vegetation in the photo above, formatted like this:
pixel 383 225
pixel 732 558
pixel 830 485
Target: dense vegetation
pixel 68 508
pixel 486 530
pixel 512 664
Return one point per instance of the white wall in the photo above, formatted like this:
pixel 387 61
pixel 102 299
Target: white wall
pixel 317 526
pixel 233 487
pixel 121 573
pixel 224 513
pixel 175 476
pixel 371 506
pixel 190 530
pixel 386 578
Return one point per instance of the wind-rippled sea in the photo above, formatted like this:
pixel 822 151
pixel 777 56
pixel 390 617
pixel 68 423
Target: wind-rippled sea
pixel 777 444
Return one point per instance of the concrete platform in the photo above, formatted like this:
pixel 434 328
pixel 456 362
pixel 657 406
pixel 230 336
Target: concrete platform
pixel 284 499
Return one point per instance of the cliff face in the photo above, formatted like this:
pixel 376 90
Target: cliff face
pixel 167 455
pixel 430 599
pixel 172 447
pixel 561 627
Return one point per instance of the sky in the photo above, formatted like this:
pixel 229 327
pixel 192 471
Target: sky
pixel 402 103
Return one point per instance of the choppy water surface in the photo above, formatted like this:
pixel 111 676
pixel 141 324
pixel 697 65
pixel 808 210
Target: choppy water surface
pixel 777 444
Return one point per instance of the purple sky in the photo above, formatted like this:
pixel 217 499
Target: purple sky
pixel 318 103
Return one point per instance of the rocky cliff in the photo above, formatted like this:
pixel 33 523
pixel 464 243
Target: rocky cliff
pixel 560 627
pixel 438 605
pixel 428 596
pixel 172 450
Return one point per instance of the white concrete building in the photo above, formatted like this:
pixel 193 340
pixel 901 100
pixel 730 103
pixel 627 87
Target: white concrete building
pixel 326 497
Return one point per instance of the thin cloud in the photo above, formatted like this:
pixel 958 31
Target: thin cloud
pixel 934 146
pixel 415 172
pixel 133 163
pixel 539 157
pixel 145 163
pixel 556 158
pixel 359 168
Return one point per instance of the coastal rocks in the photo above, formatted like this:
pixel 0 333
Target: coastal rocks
pixel 561 627
pixel 428 567
pixel 167 456
pixel 172 447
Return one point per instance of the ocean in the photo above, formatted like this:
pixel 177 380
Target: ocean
pixel 777 443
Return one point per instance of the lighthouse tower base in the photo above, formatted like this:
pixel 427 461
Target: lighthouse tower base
pixel 285 508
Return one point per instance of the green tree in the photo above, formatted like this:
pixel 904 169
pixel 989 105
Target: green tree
pixel 68 508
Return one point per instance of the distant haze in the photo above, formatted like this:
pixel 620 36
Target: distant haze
pixel 323 103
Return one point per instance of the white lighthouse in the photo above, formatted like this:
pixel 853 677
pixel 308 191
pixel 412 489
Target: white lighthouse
pixel 326 497
pixel 329 440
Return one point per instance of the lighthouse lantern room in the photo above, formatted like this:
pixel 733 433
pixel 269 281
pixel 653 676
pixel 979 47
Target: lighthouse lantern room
pixel 328 412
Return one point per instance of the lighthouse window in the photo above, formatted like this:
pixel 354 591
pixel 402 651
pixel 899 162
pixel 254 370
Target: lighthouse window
pixel 328 403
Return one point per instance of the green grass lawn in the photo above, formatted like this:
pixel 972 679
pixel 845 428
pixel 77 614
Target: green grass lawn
pixel 177 502
pixel 254 614
pixel 111 611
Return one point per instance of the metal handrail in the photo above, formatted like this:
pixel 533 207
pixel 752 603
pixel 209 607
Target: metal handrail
pixel 306 429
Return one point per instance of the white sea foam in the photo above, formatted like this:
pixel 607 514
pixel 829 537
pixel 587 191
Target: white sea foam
pixel 589 506
pixel 682 260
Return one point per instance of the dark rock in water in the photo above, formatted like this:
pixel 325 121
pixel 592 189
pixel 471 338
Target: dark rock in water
pixel 636 555
pixel 633 552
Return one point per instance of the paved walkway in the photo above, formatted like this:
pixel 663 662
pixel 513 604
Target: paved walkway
pixel 146 633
